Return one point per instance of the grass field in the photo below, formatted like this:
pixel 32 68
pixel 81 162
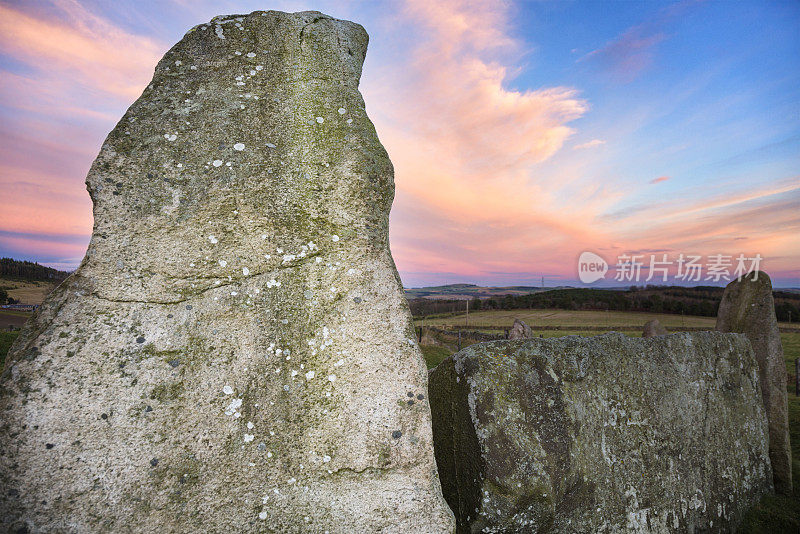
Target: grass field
pixel 567 318
pixel 27 292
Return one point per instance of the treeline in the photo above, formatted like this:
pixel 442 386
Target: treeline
pixel 28 270
pixel 701 300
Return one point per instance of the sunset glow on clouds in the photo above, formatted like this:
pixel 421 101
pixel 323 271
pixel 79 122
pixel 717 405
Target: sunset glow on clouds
pixel 519 136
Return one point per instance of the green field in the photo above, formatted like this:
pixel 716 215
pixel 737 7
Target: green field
pixel 567 318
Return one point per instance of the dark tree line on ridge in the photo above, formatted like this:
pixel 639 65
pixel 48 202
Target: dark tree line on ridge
pixel 701 300
pixel 28 270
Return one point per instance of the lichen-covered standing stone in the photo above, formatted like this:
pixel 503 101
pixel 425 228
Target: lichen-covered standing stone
pixel 235 352
pixel 747 307
pixel 607 434
pixel 653 328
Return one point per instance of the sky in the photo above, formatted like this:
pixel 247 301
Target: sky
pixel 522 133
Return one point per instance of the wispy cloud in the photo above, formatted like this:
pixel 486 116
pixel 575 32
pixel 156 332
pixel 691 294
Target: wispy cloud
pixel 631 53
pixel 627 55
pixel 591 144
pixel 659 179
pixel 79 47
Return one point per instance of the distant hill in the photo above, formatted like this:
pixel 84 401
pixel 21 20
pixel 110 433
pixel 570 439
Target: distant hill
pixel 468 291
pixel 29 271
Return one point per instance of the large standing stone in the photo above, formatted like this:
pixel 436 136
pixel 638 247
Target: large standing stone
pixel 653 328
pixel 606 434
pixel 235 352
pixel 747 307
pixel 520 330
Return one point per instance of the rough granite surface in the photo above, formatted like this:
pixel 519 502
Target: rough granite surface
pixel 235 352
pixel 747 307
pixel 608 434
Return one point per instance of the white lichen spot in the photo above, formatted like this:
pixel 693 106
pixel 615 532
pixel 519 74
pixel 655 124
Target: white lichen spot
pixel 310 375
pixel 259 67
pixel 170 137
pixel 320 120
pixel 332 378
pixel 349 121
pixel 233 406
pixel 227 390
pixel 178 63
pixel 339 363
pixel 251 54
pixel 269 455
pixel 335 238
pixel 193 67
pixel 326 458
pixel 218 31
pixel 262 515
pixel 245 271
pixel 291 480
pixel 342 111
pixel 248 438
pixel 234 293
pixel 270 145
pixel 216 162
pixel 223 263
pixel 213 240
pixel 250 425
pixel 238 146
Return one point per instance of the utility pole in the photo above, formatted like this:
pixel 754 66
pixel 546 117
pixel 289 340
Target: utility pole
pixel 467 312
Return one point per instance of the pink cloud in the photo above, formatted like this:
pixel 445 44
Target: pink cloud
pixel 659 179
pixel 464 144
pixel 82 47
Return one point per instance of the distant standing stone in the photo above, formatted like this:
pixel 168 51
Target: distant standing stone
pixel 520 330
pixel 653 328
pixel 748 308
pixel 246 175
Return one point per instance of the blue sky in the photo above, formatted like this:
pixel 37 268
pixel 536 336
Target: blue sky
pixel 522 133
